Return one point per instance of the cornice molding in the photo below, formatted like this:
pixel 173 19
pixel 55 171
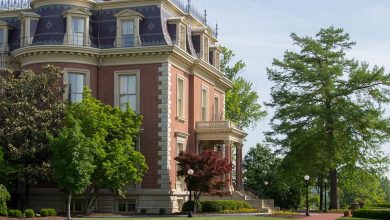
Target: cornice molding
pixel 86 3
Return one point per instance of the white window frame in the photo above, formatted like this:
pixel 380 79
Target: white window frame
pixel 5 27
pixel 117 75
pixel 25 30
pixel 181 138
pixel 181 117
pixel 216 110
pixel 128 15
pixel 79 71
pixel 80 13
pixel 206 118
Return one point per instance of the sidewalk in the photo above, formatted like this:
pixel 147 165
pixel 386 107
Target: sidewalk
pixel 318 216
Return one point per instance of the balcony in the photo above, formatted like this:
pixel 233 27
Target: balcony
pixel 219 130
pixel 90 41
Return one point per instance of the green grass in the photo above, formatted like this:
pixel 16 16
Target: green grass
pixel 195 218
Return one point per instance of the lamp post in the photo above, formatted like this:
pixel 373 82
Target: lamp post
pixel 265 194
pixel 190 172
pixel 307 178
pixel 325 182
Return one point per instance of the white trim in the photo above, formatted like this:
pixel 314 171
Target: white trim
pixel 65 78
pixel 117 74
pixel 128 15
pixel 219 109
pixel 183 104
pixel 204 88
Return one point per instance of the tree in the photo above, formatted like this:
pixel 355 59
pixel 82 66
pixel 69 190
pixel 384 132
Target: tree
pixel 328 105
pixel 72 160
pixel 242 105
pixel 207 167
pixel 262 165
pixel 4 194
pixel 31 106
pixel 385 185
pixel 114 133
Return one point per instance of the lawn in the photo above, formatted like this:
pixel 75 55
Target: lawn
pixel 195 218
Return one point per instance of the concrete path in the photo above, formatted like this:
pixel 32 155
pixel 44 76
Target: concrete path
pixel 318 216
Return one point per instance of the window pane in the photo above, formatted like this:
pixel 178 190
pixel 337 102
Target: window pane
pixel 131 85
pixel 123 85
pixel 121 205
pixel 128 91
pixel 127 27
pixel 78 25
pixel 133 102
pixel 76 84
pixel 130 205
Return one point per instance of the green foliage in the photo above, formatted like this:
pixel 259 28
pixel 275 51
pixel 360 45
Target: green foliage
pixel 242 210
pixel 30 107
pixel 29 213
pixel 189 206
pixel 242 105
pixel 112 134
pixel 162 211
pixel 285 213
pixel 262 165
pixel 72 158
pixel 371 214
pixel 48 212
pixel 328 105
pixel 359 185
pixel 15 213
pixel 4 198
pixel 385 184
pixel 381 205
pixel 143 211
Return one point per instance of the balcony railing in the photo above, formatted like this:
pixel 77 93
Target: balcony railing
pixel 215 125
pixel 90 41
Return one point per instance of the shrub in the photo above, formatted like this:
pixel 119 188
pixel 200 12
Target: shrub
pixel 217 206
pixel 48 212
pixel 143 211
pixel 371 214
pixel 242 210
pixel 29 213
pixel 189 206
pixel 162 211
pixel 15 213
pixel 286 213
pixel 4 198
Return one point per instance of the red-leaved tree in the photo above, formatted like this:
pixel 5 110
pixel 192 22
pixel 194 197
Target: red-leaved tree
pixel 208 167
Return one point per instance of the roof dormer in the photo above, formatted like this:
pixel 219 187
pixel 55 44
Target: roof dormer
pixel 127 28
pixel 77 26
pixel 29 24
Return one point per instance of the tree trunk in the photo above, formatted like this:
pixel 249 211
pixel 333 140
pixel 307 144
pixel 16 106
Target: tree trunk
pixel 333 190
pixel 90 198
pixel 321 195
pixel 68 206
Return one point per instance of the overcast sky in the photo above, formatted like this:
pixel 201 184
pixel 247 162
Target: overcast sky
pixel 258 31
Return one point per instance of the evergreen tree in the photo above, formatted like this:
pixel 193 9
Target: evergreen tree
pixel 328 108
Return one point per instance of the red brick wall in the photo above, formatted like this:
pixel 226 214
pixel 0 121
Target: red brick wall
pixel 102 86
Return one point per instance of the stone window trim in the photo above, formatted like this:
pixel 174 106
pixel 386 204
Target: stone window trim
pixel 117 75
pixel 5 27
pixel 25 29
pixel 206 102
pixel 128 15
pixel 205 41
pixel 182 117
pixel 181 32
pixel 216 50
pixel 65 77
pixel 77 13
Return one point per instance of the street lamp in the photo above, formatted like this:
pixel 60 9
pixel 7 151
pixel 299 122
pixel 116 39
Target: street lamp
pixel 190 172
pixel 266 183
pixel 307 178
pixel 325 182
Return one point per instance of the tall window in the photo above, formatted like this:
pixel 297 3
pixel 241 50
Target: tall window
pixel 179 180
pixel 127 33
pixel 2 43
pixel 126 205
pixel 180 98
pixel 205 101
pixel 78 30
pixel 76 83
pixel 128 91
pixel 216 108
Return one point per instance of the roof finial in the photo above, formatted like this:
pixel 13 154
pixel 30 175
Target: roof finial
pixel 205 16
pixel 188 6
pixel 216 30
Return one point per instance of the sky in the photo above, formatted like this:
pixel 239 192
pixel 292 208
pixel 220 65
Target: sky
pixel 259 30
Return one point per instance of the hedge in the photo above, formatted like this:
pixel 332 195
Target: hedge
pixel 218 205
pixel 371 213
pixel 48 212
pixel 29 213
pixel 187 206
pixel 15 213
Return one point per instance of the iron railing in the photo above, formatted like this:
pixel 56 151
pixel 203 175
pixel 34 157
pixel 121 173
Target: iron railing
pixel 90 41
pixel 185 7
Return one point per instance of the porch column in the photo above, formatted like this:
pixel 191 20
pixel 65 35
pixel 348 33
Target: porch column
pixel 228 156
pixel 239 185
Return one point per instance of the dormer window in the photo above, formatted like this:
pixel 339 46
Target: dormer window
pixel 29 24
pixel 4 28
pixel 201 43
pixel 77 27
pixel 215 53
pixel 127 28
pixel 180 35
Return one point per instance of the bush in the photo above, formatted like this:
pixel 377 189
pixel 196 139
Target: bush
pixel 162 211
pixel 143 211
pixel 189 206
pixel 15 213
pixel 29 213
pixel 371 214
pixel 381 205
pixel 48 212
pixel 4 198
pixel 285 213
pixel 228 211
